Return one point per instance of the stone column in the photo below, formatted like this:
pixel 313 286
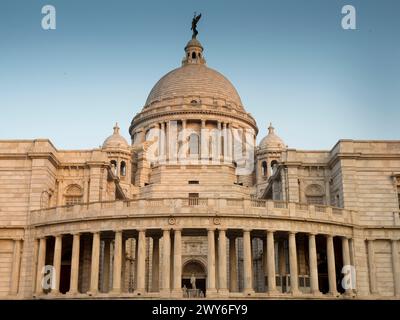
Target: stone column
pixel 211 263
pixel 230 142
pixel 167 140
pixel 35 256
pixel 233 281
pixel 225 135
pixel 117 267
pixel 312 257
pixel 60 189
pixel 396 266
pixel 73 287
pixel 141 263
pixel 204 142
pixel 352 262
pixel 57 263
pixel 222 263
pixel 86 190
pixel 41 264
pixel 16 265
pixel 331 265
pixel 371 267
pixel 346 257
pixel 219 149
pixel 162 142
pixel 166 257
pixel 184 145
pixel 177 263
pixel 123 266
pixel 155 277
pixel 94 273
pixel 327 190
pixel 247 263
pixel 294 277
pixel 270 256
pixel 216 260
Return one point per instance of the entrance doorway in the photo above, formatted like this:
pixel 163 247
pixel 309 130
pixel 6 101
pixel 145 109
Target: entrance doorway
pixel 194 270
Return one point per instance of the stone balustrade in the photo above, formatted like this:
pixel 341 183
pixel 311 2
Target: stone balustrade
pixel 223 207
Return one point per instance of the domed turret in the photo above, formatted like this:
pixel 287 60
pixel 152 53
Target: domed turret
pixel 272 141
pixel 115 140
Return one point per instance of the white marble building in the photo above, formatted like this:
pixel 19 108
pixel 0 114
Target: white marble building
pixel 192 195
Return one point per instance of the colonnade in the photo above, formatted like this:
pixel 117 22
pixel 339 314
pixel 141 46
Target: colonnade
pixel 228 139
pixel 222 262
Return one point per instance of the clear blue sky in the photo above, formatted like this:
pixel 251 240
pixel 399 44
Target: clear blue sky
pixel 290 61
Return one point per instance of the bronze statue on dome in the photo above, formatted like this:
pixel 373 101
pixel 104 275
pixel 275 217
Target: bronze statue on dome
pixel 194 25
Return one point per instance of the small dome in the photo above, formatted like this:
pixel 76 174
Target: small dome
pixel 193 43
pixel 115 140
pixel 272 141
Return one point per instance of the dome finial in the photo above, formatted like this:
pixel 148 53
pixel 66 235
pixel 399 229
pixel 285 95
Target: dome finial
pixel 116 128
pixel 270 128
pixel 194 49
pixel 195 20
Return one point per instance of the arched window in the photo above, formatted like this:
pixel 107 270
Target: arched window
pixel 337 201
pixel 264 168
pixel 123 168
pixel 193 55
pixel 114 166
pixel 274 165
pixel 73 195
pixel 194 144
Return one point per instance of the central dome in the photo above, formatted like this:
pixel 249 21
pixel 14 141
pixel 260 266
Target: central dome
pixel 195 79
pixel 194 94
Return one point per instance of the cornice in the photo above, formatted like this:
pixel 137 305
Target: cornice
pixel 136 121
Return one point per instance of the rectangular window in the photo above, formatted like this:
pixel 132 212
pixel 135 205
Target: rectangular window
pixel 315 200
pixel 69 201
pixel 193 199
pixel 193 182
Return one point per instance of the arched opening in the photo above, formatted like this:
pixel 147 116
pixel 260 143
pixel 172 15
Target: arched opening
pixel 322 264
pixel 194 279
pixel 65 270
pixel 193 55
pixel 194 144
pixel 114 167
pixel 338 250
pixel 264 168
pixel 123 168
pixel 274 166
